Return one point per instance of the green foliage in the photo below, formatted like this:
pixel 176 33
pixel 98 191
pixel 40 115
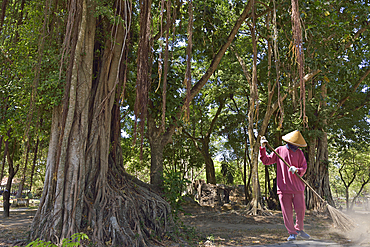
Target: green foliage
pixel 174 185
pixel 227 172
pixel 41 243
pixel 74 241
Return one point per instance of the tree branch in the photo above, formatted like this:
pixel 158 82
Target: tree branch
pixel 217 59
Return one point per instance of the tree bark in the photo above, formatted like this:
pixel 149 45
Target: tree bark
pixel 21 184
pixel 255 205
pixel 318 159
pixel 157 142
pixel 210 167
pixel 34 162
pixel 6 144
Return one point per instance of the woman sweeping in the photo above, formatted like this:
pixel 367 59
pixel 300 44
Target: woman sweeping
pixel 289 187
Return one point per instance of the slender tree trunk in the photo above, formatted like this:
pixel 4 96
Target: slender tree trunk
pixel 347 198
pixel 21 184
pixel 267 182
pixel 34 162
pixel 247 183
pixel 6 144
pixel 363 184
pixel 1 145
pixel 6 195
pixel 256 205
pixel 204 148
pixel 39 126
pixel 246 158
pixel 210 167
pixel 246 186
pixel 12 172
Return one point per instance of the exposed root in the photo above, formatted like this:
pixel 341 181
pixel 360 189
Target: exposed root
pixel 256 208
pixel 123 214
pixel 133 214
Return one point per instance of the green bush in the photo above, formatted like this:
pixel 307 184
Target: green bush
pixel 174 185
pixel 65 242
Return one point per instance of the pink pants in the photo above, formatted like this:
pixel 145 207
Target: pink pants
pixel 287 201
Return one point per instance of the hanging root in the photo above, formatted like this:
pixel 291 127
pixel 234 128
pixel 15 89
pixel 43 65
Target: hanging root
pixel 340 219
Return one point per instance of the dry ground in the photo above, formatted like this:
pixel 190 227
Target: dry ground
pixel 219 227
pixel 14 228
pixel 236 228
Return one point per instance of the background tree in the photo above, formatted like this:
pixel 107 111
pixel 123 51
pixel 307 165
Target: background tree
pixel 158 136
pixel 352 166
pixel 201 136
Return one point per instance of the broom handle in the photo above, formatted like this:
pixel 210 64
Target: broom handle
pixel 286 163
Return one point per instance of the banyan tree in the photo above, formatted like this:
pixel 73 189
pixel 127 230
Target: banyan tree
pixel 86 188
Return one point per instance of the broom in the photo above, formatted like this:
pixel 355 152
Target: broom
pixel 340 219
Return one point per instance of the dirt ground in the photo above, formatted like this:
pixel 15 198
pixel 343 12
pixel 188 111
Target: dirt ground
pixel 236 228
pixel 14 228
pixel 215 227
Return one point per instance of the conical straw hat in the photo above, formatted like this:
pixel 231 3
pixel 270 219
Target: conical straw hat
pixel 295 138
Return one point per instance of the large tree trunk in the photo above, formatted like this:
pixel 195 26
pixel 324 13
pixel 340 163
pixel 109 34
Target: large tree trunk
pixel 156 166
pixel 86 188
pixel 157 140
pixel 317 174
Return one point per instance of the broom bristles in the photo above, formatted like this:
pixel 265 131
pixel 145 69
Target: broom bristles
pixel 340 219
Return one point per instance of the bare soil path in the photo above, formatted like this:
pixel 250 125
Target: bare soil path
pixel 14 228
pixel 213 227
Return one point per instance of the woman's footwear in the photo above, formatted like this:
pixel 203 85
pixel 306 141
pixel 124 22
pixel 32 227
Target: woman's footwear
pixel 303 234
pixel 292 237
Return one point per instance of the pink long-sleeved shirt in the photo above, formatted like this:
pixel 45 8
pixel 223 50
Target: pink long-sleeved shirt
pixel 286 181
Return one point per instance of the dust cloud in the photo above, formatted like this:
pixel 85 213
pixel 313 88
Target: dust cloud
pixel 360 234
